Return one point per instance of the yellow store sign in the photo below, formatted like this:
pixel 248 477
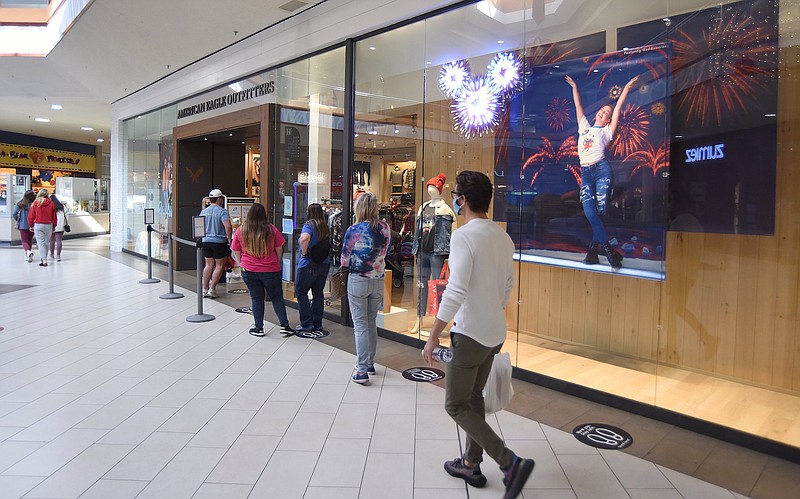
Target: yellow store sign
pixel 45 159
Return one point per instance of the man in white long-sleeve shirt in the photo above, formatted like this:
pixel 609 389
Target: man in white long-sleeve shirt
pixel 481 279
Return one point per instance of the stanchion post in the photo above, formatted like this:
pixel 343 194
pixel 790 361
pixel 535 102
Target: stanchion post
pixel 198 232
pixel 149 219
pixel 171 295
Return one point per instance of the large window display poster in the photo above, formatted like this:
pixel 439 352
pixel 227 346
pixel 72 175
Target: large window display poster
pixel 561 213
pixel 164 211
pixel 724 115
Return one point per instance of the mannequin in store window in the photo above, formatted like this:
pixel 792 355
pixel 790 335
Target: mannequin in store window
pixel 435 222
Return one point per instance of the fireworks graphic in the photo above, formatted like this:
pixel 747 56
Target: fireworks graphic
pixel 504 74
pixel 550 53
pixel 558 113
pixel 617 61
pixel 476 110
pixel 649 159
pixel 614 92
pixel 502 137
pixel 453 78
pixel 631 134
pixel 717 70
pixel 547 155
pixel 658 108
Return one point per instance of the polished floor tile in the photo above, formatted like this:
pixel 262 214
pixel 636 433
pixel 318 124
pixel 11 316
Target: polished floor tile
pixel 128 400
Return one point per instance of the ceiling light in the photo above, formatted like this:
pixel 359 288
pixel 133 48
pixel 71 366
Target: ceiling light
pixel 42 120
pixel 205 138
pixel 56 107
pixel 87 128
pixel 230 135
pixel 372 48
pixel 242 142
pixel 770 115
pixel 501 41
pixel 100 139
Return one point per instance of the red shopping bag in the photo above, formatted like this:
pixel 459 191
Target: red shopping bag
pixel 436 290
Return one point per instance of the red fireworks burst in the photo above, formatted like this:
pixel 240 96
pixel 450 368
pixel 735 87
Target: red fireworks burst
pixel 650 159
pixel 631 131
pixel 558 113
pixel 617 60
pixel 548 155
pixel 716 71
pixel 502 137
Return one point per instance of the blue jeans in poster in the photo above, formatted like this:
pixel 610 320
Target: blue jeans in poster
pixel 257 283
pixel 311 277
pixel 365 296
pixel 595 188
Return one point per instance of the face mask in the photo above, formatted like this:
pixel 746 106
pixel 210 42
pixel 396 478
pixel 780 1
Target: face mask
pixel 456 207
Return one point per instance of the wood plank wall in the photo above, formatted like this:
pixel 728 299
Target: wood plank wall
pixel 729 305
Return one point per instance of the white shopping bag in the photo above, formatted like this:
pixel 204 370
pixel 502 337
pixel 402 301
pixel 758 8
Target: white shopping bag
pixel 498 391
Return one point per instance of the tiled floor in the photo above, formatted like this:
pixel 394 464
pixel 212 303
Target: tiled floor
pixel 106 391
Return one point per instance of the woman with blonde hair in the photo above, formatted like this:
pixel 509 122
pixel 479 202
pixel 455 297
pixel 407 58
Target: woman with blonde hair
pixel 312 268
pixel 258 246
pixel 42 218
pixel 364 251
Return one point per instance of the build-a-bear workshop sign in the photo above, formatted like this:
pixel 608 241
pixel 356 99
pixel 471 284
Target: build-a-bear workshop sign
pixel 15 156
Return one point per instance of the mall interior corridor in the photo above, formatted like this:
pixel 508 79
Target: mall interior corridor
pixel 106 391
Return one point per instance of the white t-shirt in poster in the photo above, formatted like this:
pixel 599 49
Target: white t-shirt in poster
pixel 592 142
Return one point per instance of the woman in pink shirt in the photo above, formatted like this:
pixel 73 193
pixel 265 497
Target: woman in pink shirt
pixel 258 246
pixel 42 218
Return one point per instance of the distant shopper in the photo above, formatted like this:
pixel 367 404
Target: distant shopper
pixel 312 268
pixel 364 251
pixel 215 243
pixel 481 279
pixel 258 246
pixel 20 216
pixel 42 219
pixel 58 231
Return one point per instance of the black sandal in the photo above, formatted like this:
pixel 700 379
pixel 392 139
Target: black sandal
pixel 43 264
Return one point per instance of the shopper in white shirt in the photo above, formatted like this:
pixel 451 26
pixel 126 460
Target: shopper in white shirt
pixel 481 279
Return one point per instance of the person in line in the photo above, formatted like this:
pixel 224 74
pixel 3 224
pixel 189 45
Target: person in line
pixel 481 279
pixel 596 175
pixel 20 216
pixel 314 241
pixel 58 231
pixel 215 242
pixel 364 249
pixel 42 218
pixel 258 246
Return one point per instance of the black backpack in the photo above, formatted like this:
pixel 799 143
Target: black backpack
pixel 320 251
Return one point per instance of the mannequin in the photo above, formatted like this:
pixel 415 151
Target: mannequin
pixel 435 222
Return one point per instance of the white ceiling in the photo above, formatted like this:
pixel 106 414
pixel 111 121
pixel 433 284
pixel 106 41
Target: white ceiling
pixel 115 48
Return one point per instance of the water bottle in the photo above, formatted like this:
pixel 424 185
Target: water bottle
pixel 442 354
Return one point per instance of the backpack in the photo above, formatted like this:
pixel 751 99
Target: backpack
pixel 320 251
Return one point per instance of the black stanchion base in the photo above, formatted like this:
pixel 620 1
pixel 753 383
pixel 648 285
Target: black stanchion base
pixel 171 296
pixel 200 318
pixel 149 280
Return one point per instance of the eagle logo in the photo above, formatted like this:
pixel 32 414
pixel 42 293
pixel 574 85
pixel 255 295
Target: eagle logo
pixel 194 176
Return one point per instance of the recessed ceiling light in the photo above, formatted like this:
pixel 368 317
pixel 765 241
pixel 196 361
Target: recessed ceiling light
pixel 42 120
pixel 230 135
pixel 429 63
pixel 206 138
pixel 501 41
pixel 56 107
pixel 770 115
pixel 372 48
pixel 87 128
pixel 100 139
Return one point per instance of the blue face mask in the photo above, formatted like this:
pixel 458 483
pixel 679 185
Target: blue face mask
pixel 456 207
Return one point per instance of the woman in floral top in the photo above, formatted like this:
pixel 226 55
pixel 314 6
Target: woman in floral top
pixel 364 252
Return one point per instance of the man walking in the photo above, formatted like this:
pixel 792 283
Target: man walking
pixel 481 279
pixel 216 242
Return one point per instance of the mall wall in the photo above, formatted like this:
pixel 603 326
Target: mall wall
pixel 729 305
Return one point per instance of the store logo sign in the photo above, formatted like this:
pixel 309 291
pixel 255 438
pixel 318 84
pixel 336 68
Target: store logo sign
pixel 312 178
pixel 705 153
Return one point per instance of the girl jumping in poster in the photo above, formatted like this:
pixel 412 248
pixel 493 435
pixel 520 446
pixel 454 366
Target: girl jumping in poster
pixel 596 176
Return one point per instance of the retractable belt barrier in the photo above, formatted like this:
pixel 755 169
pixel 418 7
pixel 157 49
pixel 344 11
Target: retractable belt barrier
pixel 150 279
pixel 199 316
pixel 171 295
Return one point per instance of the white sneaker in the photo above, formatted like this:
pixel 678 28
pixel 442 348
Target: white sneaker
pixel 30 256
pixel 205 293
pixel 212 293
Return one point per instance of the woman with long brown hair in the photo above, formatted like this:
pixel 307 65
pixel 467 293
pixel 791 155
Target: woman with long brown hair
pixel 312 268
pixel 258 246
pixel 20 216
pixel 42 219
